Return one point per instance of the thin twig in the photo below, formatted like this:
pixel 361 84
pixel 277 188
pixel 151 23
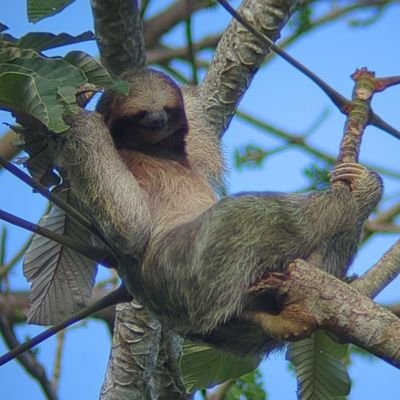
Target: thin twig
pixel 344 105
pixel 163 54
pixel 168 18
pixel 119 295
pixel 7 267
pixel 58 358
pixel 190 45
pixel 27 360
pixel 71 211
pixel 331 16
pixel 93 253
pixel 300 141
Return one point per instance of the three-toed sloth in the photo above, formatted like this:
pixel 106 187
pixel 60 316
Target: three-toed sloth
pixel 146 166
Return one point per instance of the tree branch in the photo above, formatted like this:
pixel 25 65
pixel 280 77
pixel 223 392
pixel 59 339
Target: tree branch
pixel 27 360
pixel 334 14
pixel 300 140
pixel 343 310
pixel 167 378
pixel 381 274
pixel 167 19
pixel 119 36
pixel 15 305
pixel 238 56
pixel 163 55
pixel 134 353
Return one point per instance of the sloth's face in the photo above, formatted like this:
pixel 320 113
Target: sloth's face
pixel 151 118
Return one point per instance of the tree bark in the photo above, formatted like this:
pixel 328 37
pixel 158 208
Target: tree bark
pixel 238 56
pixel 343 310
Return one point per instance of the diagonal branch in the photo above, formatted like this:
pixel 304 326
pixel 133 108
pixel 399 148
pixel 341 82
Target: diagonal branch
pixel 93 253
pixel 59 202
pixel 332 15
pixel 238 56
pixel 343 310
pixel 381 274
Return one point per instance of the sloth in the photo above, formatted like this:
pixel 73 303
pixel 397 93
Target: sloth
pixel 146 166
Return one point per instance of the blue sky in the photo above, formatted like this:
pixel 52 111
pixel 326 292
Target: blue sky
pixel 284 98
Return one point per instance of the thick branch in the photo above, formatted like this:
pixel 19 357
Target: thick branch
pixel 238 57
pixel 166 381
pixel 119 34
pixel 344 311
pixel 134 353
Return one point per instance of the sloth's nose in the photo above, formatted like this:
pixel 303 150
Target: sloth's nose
pixel 155 119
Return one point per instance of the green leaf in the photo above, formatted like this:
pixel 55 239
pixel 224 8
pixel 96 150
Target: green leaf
pixel 45 87
pixel 18 91
pixel 95 72
pixel 9 52
pixel 250 156
pixel 320 365
pixel 40 9
pixel 203 366
pixel 45 41
pixel 318 176
pixel 46 77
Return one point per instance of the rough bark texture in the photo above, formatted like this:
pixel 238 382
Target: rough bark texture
pixel 119 34
pixel 343 310
pixel 166 381
pixel 238 56
pixel 134 354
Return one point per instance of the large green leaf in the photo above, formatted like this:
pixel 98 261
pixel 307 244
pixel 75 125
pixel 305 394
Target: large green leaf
pixel 40 9
pixel 320 365
pixel 45 41
pixel 41 41
pixel 95 72
pixel 45 87
pixel 203 366
pixel 23 90
pixel 18 91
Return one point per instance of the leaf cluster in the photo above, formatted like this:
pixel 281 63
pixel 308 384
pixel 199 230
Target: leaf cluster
pixel 43 87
